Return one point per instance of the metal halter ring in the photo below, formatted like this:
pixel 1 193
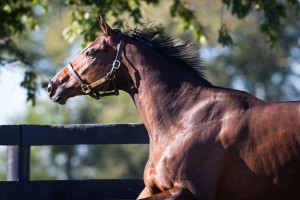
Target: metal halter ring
pixel 116 64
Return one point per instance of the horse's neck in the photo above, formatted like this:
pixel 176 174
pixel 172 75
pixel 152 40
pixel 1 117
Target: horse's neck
pixel 163 91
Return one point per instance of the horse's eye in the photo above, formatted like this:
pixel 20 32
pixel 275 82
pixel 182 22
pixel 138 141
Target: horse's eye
pixel 90 53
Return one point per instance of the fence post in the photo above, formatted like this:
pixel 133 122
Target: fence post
pixel 18 161
pixel 12 163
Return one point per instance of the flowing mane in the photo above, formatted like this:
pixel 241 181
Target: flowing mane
pixel 183 52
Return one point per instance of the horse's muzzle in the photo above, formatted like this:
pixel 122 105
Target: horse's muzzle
pixel 49 89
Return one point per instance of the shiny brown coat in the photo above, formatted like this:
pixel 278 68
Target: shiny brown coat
pixel 206 142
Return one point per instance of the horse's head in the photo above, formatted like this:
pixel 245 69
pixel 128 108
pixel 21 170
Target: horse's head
pixel 93 71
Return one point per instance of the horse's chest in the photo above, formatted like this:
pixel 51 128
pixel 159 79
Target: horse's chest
pixel 183 159
pixel 170 161
pixel 167 170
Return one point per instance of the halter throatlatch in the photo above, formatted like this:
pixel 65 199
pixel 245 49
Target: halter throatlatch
pixel 108 79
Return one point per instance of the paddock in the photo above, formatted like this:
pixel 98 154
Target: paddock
pixel 20 138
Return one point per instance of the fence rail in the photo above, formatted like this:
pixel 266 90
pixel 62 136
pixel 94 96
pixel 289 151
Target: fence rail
pixel 19 139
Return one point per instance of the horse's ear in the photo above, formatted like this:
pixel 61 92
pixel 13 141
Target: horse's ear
pixel 105 27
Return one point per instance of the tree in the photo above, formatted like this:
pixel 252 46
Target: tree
pixel 251 65
pixel 21 16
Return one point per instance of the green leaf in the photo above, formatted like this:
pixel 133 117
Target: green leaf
pixel 29 83
pixel 224 37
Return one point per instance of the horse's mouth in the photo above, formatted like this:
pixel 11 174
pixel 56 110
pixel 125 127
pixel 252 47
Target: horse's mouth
pixel 61 100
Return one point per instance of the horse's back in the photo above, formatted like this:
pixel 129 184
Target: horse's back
pixel 264 162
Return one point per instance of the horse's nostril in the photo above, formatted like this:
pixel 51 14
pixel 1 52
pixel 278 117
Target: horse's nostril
pixel 49 88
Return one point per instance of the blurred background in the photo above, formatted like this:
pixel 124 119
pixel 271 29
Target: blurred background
pixel 250 45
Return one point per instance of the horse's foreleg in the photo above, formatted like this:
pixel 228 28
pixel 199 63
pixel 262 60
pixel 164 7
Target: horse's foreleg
pixel 145 193
pixel 175 193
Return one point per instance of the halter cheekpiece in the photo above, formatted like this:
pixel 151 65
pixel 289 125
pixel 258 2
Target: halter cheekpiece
pixel 108 79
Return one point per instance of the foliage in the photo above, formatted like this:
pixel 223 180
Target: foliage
pixel 84 13
pixel 272 11
pixel 16 17
pixel 252 66
pixel 29 83
pixel 21 16
pixel 224 37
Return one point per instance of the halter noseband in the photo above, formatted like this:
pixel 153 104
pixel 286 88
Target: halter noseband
pixel 108 79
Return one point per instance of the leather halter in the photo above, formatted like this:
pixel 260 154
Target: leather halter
pixel 108 79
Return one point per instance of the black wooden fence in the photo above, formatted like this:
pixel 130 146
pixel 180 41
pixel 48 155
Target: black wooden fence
pixel 19 139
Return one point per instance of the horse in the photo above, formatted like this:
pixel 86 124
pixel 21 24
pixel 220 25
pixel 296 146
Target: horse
pixel 206 142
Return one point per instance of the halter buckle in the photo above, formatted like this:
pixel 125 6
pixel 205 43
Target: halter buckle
pixel 86 89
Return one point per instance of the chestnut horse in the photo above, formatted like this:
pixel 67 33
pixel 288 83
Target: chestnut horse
pixel 206 142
